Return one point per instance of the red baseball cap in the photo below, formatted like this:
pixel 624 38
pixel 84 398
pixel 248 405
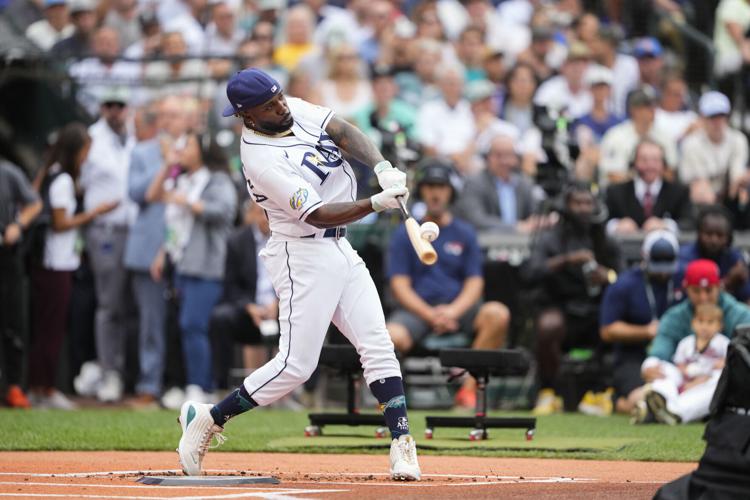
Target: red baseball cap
pixel 702 273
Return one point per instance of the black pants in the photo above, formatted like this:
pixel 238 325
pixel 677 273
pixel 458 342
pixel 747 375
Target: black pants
pixel 230 323
pixel 50 293
pixel 12 338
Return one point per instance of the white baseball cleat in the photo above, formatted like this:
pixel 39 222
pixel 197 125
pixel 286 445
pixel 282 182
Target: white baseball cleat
pixel 404 465
pixel 198 429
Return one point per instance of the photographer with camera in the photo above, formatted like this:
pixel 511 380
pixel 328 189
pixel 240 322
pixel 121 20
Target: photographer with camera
pixel 571 263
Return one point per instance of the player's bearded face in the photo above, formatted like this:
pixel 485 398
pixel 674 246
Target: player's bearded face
pixel 273 116
pixel 276 125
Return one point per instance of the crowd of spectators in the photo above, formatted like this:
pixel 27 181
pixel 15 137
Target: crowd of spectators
pixel 572 122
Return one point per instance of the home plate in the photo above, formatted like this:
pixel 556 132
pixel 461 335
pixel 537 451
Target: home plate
pixel 206 480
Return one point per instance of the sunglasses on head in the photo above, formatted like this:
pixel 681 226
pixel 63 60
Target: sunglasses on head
pixel 114 104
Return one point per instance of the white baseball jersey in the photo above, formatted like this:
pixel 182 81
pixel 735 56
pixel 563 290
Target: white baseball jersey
pixel 290 176
pixel 702 362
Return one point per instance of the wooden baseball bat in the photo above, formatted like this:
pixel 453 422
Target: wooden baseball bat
pixel 425 251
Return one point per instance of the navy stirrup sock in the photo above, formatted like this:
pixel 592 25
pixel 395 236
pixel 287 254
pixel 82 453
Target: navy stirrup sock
pixel 239 401
pixel 390 393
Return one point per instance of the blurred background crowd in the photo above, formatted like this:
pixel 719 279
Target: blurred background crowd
pixel 546 138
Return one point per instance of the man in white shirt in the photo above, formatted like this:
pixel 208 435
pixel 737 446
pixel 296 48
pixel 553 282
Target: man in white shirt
pixel 445 126
pixel 479 93
pixel 222 35
pixel 104 178
pixel 714 158
pixel 222 39
pixel 620 141
pixel 567 91
pixel 175 68
pixel 54 27
pixel 673 116
pixel 96 74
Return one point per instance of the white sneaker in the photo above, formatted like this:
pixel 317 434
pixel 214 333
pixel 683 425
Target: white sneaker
pixel 197 394
pixel 173 398
pixel 87 381
pixel 404 465
pixel 56 400
pixel 198 428
pixel 110 390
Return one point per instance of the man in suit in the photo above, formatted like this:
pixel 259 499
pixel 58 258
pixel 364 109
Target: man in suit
pixel 649 201
pixel 500 198
pixel 249 308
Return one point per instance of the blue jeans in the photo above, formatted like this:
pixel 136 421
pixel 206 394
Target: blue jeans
pixel 152 335
pixel 199 296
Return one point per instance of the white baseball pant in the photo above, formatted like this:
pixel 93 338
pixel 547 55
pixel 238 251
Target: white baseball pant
pixel 319 280
pixel 690 405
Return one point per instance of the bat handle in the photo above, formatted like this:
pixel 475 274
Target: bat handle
pixel 401 204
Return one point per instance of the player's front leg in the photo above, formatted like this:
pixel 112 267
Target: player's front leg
pixel 403 456
pixel 359 316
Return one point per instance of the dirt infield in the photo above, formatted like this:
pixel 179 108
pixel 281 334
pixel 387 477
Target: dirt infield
pixel 113 475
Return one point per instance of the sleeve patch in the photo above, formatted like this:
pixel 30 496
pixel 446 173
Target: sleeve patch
pixel 298 199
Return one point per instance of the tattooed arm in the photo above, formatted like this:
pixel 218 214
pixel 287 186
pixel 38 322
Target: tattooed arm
pixel 353 141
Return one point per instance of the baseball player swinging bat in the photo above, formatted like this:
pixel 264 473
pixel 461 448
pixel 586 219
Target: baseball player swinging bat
pixel 293 160
pixel 426 253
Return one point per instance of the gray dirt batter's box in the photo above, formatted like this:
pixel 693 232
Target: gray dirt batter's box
pixel 206 480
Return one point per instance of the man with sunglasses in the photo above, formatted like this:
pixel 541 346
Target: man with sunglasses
pixel 104 178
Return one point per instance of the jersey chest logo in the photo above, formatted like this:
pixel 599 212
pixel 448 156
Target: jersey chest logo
pixel 326 156
pixel 454 248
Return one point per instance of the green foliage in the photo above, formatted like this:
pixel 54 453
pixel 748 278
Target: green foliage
pixel 557 436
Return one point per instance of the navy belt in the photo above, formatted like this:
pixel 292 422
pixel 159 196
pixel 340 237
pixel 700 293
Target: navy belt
pixel 331 232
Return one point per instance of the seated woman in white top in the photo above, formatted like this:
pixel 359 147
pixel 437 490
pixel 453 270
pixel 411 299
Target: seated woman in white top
pixel 52 271
pixel 346 90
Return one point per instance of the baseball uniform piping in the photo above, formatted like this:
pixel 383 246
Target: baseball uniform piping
pixel 305 130
pixel 310 208
pixel 326 119
pixel 289 319
pixel 351 182
pixel 273 145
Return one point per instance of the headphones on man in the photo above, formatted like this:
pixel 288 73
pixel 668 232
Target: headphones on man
pixel 560 203
pixel 438 169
